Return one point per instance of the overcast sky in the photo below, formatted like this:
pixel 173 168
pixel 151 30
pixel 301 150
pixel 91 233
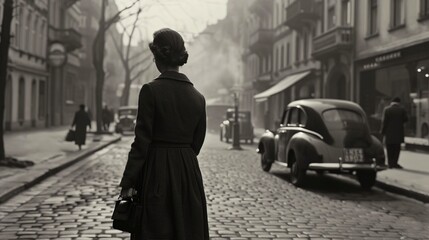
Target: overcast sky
pixel 189 17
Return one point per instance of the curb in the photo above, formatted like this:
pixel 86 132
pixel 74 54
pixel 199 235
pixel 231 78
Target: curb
pixel 26 185
pixel 423 197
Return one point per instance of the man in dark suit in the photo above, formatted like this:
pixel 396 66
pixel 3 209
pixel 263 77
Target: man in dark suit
pixel 392 129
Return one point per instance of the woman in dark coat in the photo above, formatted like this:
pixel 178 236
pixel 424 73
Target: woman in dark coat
pixel 169 133
pixel 81 120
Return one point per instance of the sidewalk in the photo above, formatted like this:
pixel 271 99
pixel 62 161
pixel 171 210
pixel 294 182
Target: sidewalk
pixel 50 153
pixel 412 181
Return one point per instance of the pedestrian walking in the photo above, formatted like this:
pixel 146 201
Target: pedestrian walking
pixel 105 118
pixel 392 128
pixel 81 121
pixel 162 161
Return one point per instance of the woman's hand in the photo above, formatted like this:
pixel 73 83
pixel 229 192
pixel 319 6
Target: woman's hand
pixel 128 192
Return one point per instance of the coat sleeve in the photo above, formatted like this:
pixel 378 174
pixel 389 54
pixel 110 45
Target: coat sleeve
pixel 383 123
pixel 74 120
pixel 143 137
pixel 405 116
pixel 200 132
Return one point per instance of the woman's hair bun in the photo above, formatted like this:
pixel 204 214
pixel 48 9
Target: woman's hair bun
pixel 168 47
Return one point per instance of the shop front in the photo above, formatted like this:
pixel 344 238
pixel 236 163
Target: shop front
pixel 270 104
pixel 402 73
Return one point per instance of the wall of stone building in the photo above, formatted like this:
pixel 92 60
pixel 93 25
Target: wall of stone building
pixel 412 32
pixel 27 55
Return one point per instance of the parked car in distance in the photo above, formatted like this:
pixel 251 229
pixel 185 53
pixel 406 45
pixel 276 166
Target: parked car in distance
pixel 246 126
pixel 324 135
pixel 126 120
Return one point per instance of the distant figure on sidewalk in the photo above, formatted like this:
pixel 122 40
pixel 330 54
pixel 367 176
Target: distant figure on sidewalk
pixel 105 117
pixel 81 120
pixel 392 128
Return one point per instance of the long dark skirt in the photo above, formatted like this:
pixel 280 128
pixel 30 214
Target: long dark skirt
pixel 174 203
pixel 80 135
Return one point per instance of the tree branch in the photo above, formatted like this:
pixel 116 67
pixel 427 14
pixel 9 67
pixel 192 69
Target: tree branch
pixel 139 54
pixel 118 50
pixel 127 55
pixel 140 62
pixel 115 18
pixel 139 73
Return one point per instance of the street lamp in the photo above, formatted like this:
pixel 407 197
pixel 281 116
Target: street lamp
pixel 235 126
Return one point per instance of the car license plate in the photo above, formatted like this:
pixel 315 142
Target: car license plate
pixel 353 155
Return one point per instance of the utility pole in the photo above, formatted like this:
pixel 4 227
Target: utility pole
pixel 235 126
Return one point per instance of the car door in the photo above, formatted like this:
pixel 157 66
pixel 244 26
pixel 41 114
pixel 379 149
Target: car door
pixel 287 129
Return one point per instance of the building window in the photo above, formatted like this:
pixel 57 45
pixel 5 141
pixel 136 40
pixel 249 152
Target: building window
pixel 282 57
pixel 373 12
pixel 424 8
pixel 21 100
pixel 17 26
pixel 396 13
pixel 8 100
pixel 345 13
pixel 35 36
pixel 277 64
pixel 331 17
pixel 297 49
pixel 43 31
pixel 305 45
pixel 287 55
pixel 34 100
pixel 42 99
pixel 27 39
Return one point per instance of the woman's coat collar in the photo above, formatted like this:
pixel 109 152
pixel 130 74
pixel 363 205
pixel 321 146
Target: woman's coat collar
pixel 172 75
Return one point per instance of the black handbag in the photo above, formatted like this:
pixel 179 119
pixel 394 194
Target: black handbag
pixel 127 214
pixel 70 137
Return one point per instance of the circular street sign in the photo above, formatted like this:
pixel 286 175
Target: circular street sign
pixel 57 54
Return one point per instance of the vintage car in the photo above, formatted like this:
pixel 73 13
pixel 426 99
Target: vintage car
pixel 324 135
pixel 126 120
pixel 246 127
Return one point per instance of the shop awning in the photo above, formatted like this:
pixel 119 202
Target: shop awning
pixel 280 86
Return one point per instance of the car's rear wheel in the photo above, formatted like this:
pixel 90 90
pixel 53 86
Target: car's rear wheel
pixel 265 162
pixel 366 178
pixel 297 173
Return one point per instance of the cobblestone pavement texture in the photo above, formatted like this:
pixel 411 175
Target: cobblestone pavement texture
pixel 243 202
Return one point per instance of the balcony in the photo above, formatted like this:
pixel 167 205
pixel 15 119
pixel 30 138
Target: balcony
pixel 332 42
pixel 302 13
pixel 261 7
pixel 263 81
pixel 261 41
pixel 71 38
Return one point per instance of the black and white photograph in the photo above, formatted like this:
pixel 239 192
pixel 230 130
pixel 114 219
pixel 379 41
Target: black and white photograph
pixel 214 119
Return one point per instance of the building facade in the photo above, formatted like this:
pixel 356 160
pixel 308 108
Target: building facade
pixel 334 48
pixel 392 60
pixel 288 70
pixel 67 89
pixel 27 79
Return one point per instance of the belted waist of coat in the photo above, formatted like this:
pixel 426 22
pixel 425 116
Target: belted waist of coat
pixel 162 144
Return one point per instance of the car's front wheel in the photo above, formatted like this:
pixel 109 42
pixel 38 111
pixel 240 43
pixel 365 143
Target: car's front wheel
pixel 265 162
pixel 366 178
pixel 297 173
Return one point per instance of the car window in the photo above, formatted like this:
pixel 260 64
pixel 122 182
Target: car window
pixel 127 112
pixel 293 117
pixel 302 117
pixel 341 118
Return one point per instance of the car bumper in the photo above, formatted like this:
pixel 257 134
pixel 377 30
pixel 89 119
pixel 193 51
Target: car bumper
pixel 346 166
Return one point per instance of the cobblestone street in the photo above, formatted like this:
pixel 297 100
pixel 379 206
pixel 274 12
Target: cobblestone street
pixel 243 201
